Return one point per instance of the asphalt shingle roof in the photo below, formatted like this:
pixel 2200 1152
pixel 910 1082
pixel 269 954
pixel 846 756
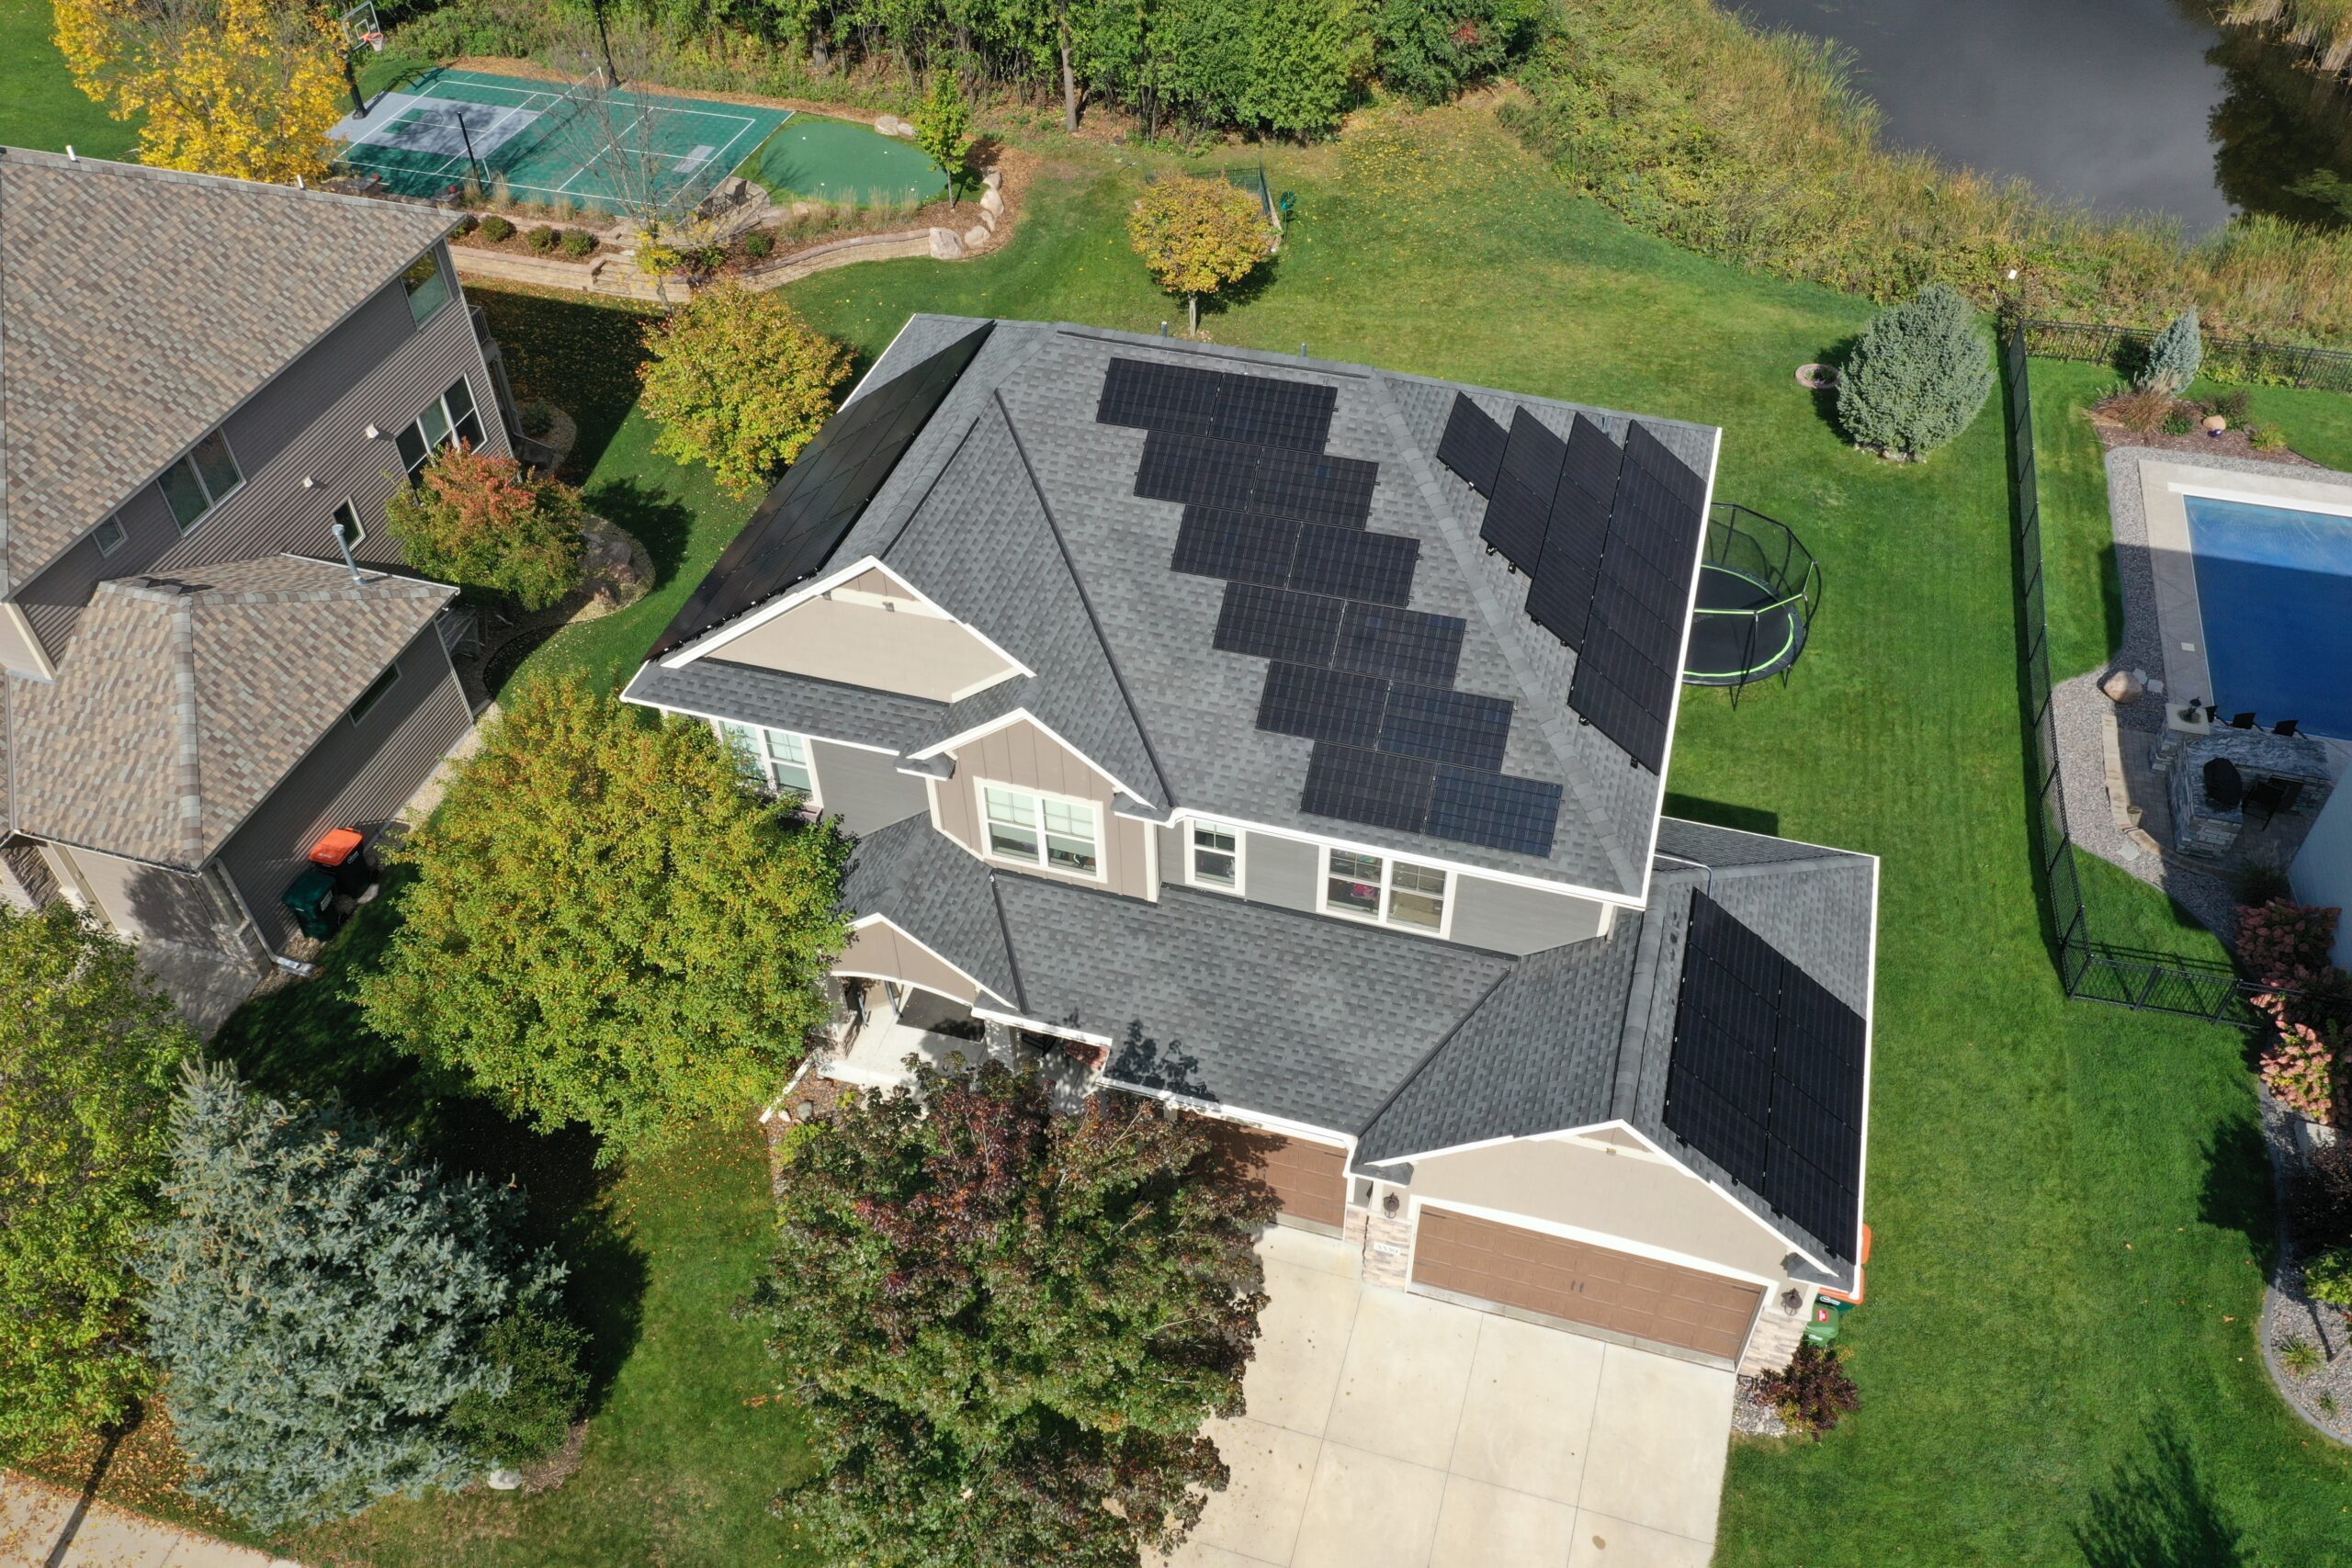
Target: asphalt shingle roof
pixel 930 888
pixel 138 307
pixel 779 700
pixel 190 697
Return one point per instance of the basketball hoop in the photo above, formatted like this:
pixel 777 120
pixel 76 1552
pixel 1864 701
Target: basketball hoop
pixel 373 39
pixel 361 29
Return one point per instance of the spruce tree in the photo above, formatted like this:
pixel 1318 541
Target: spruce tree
pixel 318 1301
pixel 2176 355
pixel 1916 377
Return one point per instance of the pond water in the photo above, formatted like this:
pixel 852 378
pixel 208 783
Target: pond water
pixel 2126 106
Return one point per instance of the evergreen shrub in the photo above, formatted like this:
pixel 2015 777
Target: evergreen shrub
pixel 1917 376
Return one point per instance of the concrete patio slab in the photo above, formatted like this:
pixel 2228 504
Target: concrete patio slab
pixel 1407 1369
pixel 1604 1542
pixel 1658 1443
pixel 1367 1510
pixel 1480 1526
pixel 1528 1412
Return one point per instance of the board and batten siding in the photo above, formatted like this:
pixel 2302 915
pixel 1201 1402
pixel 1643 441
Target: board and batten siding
pixel 1026 757
pixel 865 789
pixel 386 370
pixel 880 952
pixel 357 775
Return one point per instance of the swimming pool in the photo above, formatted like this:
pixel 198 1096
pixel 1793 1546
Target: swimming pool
pixel 2274 586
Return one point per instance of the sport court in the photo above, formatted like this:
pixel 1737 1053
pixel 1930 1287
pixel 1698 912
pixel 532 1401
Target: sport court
pixel 616 149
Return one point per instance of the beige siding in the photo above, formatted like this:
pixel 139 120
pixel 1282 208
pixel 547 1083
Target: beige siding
pixel 376 368
pixel 1508 918
pixel 20 651
pixel 149 903
pixel 882 951
pixel 1638 1197
pixel 355 776
pixel 1023 755
pixel 912 651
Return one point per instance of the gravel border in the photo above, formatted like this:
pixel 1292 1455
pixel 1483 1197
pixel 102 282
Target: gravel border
pixel 2288 1314
pixel 1751 1417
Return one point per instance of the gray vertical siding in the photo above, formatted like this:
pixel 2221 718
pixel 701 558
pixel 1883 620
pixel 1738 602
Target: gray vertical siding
pixel 376 368
pixel 1510 918
pixel 1282 871
pixel 865 789
pixel 357 776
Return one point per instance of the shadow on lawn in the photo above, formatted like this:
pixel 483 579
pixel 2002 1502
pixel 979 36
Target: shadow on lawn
pixel 1723 814
pixel 2237 1194
pixel 659 520
pixel 2157 1511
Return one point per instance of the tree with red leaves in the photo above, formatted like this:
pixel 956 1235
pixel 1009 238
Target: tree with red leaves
pixel 1008 1323
pixel 485 521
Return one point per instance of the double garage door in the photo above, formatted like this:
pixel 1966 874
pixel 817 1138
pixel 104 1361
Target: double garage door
pixel 1597 1286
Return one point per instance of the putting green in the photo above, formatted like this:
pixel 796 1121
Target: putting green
pixel 839 161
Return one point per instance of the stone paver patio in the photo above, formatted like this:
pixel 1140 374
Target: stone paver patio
pixel 1390 1430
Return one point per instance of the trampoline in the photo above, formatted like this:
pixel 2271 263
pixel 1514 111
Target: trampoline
pixel 1760 589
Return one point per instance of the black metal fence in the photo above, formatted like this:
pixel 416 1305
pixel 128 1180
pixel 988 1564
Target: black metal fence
pixel 2092 970
pixel 2226 358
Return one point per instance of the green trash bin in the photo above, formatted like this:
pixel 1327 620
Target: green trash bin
pixel 311 900
pixel 1828 1317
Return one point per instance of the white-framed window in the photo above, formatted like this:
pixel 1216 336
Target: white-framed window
pixel 780 757
pixel 1213 853
pixel 1046 830
pixel 203 478
pixel 348 515
pixel 428 286
pixel 449 417
pixel 374 693
pixel 110 535
pixel 1376 887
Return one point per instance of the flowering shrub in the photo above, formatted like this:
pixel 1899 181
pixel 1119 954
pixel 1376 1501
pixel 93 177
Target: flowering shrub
pixel 2283 938
pixel 1813 1392
pixel 2300 1068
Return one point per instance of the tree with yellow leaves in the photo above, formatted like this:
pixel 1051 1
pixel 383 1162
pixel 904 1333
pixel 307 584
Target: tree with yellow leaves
pixel 1197 235
pixel 247 89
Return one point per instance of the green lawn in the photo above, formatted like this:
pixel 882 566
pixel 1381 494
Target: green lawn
pixel 2070 1207
pixel 40 105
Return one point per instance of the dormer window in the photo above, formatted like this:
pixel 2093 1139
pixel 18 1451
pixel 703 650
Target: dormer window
pixel 1050 832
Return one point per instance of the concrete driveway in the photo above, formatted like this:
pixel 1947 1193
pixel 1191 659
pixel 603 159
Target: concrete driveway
pixel 1389 1430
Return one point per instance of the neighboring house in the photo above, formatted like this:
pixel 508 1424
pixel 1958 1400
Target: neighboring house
pixel 1201 734
pixel 198 376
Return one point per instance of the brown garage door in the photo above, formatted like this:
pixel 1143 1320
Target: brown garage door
pixel 1584 1283
pixel 1310 1178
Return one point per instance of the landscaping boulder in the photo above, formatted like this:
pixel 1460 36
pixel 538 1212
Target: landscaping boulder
pixel 614 571
pixel 946 246
pixel 993 179
pixel 975 236
pixel 992 202
pixel 2124 687
pixel 892 125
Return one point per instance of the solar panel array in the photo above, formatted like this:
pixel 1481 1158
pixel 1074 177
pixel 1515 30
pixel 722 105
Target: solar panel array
pixel 1326 601
pixel 1765 1075
pixel 1608 539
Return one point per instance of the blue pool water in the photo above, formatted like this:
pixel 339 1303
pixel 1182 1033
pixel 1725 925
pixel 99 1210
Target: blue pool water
pixel 2276 589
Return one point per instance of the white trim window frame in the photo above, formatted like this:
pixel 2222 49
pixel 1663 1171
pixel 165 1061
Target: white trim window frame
pixel 199 479
pixel 427 282
pixel 347 511
pixel 110 535
pixel 452 416
pixel 1382 890
pixel 784 759
pixel 1040 830
pixel 1213 857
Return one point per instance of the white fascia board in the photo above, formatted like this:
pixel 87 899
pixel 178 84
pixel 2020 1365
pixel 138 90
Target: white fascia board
pixel 1609 1239
pixel 1184 814
pixel 1681 661
pixel 1020 714
pixel 1210 1108
pixel 1036 1026
pixel 864 922
pixel 858 390
pixel 730 719
pixel 1869 1033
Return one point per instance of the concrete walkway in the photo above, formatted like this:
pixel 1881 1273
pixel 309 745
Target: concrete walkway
pixel 43 1526
pixel 1389 1430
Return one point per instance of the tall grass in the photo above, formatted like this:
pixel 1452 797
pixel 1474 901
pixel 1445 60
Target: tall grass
pixel 2322 26
pixel 1757 147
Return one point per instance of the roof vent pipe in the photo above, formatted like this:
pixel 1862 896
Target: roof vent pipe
pixel 344 546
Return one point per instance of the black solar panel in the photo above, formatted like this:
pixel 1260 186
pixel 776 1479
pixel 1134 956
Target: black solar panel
pixel 1447 726
pixel 1405 645
pixel 1473 445
pixel 808 514
pixel 1559 591
pixel 1186 400
pixel 1379 789
pixel 1765 1075
pixel 1322 704
pixel 1629 664
pixel 1271 623
pixel 1355 563
pixel 1310 486
pixel 1518 512
pixel 1495 809
pixel 1241 546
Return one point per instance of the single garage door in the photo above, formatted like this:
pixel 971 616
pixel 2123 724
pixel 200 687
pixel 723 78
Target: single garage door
pixel 1310 1178
pixel 1584 1283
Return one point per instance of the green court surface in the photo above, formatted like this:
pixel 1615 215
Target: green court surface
pixel 837 161
pixel 619 150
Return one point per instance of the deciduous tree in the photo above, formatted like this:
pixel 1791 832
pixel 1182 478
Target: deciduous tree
pixel 1008 1323
pixel 739 380
pixel 1917 376
pixel 1305 60
pixel 248 88
pixel 319 1297
pixel 1197 235
pixel 480 521
pixel 943 130
pixel 1430 50
pixel 89 1053
pixel 609 925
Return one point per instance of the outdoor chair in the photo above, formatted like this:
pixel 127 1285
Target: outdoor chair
pixel 2224 789
pixel 2270 797
pixel 2285 726
pixel 2241 721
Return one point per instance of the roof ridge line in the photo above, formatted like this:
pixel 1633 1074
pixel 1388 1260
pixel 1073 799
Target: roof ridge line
pixel 1432 1052
pixel 1571 768
pixel 189 765
pixel 1093 621
pixel 1004 929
